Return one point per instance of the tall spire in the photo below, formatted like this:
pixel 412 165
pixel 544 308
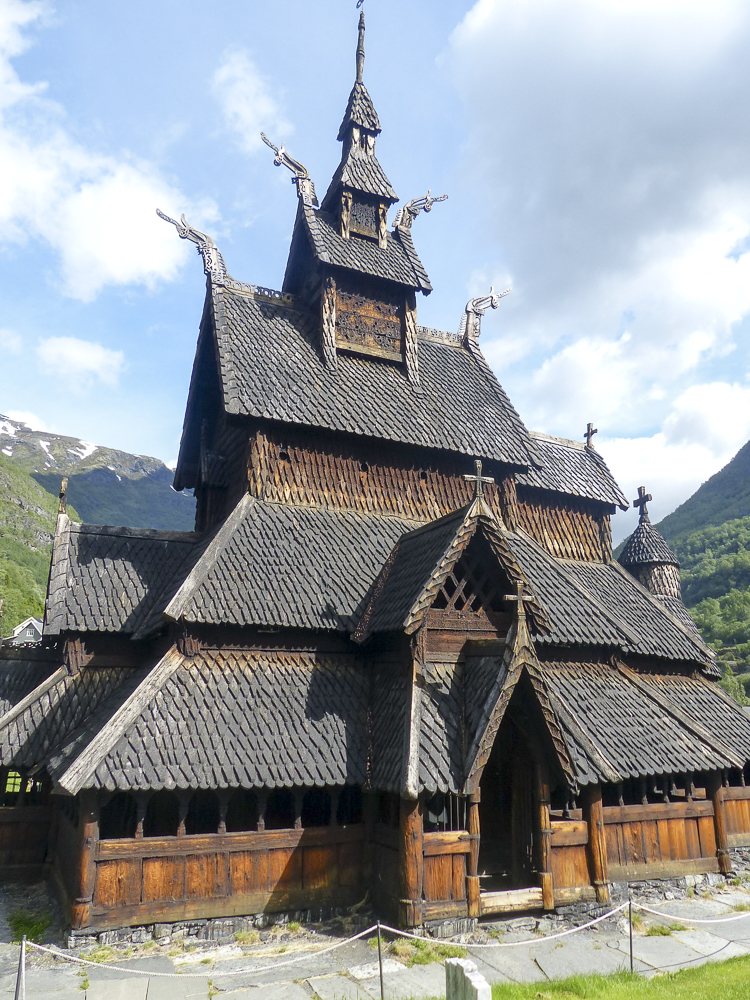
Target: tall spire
pixel 361 47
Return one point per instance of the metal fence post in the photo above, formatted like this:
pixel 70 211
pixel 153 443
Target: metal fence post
pixel 380 964
pixel 21 974
pixel 630 925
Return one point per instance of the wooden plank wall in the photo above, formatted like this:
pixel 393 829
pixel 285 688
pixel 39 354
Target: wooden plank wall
pixel 568 844
pixel 179 878
pixel 24 835
pixel 737 812
pixel 660 840
pixel 386 868
pixel 567 528
pixel 445 857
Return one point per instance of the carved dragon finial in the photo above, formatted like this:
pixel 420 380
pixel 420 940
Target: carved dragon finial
pixel 305 186
pixel 213 262
pixel 471 321
pixel 408 213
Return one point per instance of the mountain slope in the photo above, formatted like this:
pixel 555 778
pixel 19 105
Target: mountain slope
pixel 27 525
pixel 723 497
pixel 104 485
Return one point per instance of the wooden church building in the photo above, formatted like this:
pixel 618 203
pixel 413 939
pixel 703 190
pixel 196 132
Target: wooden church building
pixel 395 660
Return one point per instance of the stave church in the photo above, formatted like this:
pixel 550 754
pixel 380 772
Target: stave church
pixel 395 662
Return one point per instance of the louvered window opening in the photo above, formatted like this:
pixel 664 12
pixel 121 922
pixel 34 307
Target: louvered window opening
pixel 470 588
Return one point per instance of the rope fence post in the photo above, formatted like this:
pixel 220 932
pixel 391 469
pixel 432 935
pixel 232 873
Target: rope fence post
pixel 630 927
pixel 380 964
pixel 21 975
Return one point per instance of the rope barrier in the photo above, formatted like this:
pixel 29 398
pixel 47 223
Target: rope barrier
pixel 58 953
pixel 516 944
pixel 693 920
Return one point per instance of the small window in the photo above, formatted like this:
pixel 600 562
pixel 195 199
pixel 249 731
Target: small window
pixel 162 815
pixel 118 818
pixel 316 808
pixel 349 806
pixel 280 810
pixel 203 813
pixel 242 811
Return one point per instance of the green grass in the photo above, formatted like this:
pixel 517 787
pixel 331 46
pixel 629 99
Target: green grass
pixel 33 925
pixel 728 980
pixel 424 952
pixel 662 930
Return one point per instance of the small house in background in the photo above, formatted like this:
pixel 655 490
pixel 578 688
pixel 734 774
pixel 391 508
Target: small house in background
pixel 29 631
pixel 395 661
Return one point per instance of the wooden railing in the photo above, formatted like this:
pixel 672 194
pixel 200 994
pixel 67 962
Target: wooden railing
pixel 140 881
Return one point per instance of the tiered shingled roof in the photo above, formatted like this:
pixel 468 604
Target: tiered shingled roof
pixel 572 468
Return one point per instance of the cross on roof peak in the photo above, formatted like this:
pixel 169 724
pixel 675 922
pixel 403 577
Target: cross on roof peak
pixel 643 499
pixel 479 480
pixel 520 598
pixel 590 431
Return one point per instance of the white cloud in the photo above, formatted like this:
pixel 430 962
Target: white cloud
pixel 10 341
pixel 248 107
pixel 76 363
pixel 96 211
pixel 32 421
pixel 613 177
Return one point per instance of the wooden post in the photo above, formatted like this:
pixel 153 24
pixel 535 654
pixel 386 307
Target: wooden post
pixel 412 863
pixel 715 788
pixel 369 813
pixel 88 830
pixel 592 802
pixel 472 878
pixel 545 841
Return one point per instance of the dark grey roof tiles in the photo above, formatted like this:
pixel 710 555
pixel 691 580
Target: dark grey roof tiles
pixel 441 764
pixel 635 734
pixel 57 707
pixel 19 677
pixel 300 567
pixel 240 719
pixel 271 367
pixel 394 262
pixel 362 172
pixel 600 604
pixel 106 579
pixel 570 467
pixel 359 111
pixel 647 545
pixel 391 695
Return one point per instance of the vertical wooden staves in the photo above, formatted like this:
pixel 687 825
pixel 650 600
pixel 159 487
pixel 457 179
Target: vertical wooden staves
pixel 412 862
pixel 472 877
pixel 88 827
pixel 545 841
pixel 715 789
pixel 594 815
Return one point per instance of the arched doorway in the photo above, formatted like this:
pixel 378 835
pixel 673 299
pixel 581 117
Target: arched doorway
pixel 509 813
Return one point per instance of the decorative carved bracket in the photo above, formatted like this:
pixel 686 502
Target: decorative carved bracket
pixel 406 215
pixel 471 321
pixel 305 186
pixel 213 262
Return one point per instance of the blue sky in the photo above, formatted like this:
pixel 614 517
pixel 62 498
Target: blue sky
pixel 595 154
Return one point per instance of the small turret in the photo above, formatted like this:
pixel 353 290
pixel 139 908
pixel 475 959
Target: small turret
pixel 648 557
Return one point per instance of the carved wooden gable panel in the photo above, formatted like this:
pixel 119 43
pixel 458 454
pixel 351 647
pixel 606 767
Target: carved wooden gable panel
pixel 472 595
pixel 369 323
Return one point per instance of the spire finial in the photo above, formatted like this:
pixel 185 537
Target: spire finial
pixel 361 46
pixel 643 499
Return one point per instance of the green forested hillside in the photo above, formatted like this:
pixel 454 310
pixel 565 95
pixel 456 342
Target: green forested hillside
pixel 724 497
pixel 27 525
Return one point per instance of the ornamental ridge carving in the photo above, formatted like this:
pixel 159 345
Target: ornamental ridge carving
pixel 213 262
pixel 305 186
pixel 471 321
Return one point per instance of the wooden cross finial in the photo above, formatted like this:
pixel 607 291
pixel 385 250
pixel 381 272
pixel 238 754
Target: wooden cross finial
pixel 643 499
pixel 590 431
pixel 520 598
pixel 479 480
pixel 62 507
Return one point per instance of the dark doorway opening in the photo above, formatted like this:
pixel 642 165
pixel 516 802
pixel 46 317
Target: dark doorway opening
pixel 508 813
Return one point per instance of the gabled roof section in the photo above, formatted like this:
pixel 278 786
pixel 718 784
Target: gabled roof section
pixel 420 563
pixel 360 111
pixel 572 468
pixel 600 604
pixel 256 720
pixel 271 367
pixel 647 545
pixel 361 172
pixel 397 262
pixel 23 670
pixel 298 567
pixel 107 579
pixel 622 725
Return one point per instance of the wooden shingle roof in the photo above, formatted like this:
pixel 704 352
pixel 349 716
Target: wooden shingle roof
pixel 570 467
